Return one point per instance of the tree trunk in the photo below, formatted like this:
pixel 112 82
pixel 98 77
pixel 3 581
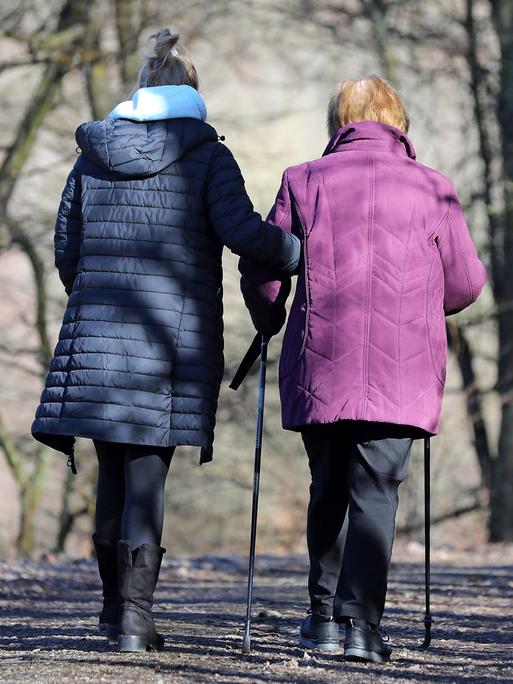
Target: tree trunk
pixel 377 10
pixel 30 504
pixel 461 350
pixel 97 74
pixel 66 518
pixel 128 30
pixel 74 13
pixel 73 24
pixel 99 87
pixel 68 515
pixel 479 88
pixel 501 520
pixel 25 242
pixel 30 487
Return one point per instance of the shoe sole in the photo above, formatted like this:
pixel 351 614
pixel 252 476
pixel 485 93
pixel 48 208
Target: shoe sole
pixel 318 645
pixel 128 643
pixel 361 654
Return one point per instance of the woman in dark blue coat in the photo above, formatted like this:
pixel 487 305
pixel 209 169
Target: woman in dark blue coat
pixel 146 210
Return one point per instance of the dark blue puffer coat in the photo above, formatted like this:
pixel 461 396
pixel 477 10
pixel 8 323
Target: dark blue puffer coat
pixel 144 216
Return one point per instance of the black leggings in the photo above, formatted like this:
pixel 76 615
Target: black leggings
pixel 130 492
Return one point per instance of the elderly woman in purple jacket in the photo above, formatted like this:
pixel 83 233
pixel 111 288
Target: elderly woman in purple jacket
pixel 386 255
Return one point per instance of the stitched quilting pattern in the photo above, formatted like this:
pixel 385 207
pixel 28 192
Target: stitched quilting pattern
pixel 138 243
pixel 382 264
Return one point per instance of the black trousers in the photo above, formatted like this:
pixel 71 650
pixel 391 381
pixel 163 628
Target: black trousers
pixel 356 470
pixel 130 492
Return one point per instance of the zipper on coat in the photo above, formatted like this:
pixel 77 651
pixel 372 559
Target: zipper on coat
pixel 370 232
pixel 71 463
pixel 305 266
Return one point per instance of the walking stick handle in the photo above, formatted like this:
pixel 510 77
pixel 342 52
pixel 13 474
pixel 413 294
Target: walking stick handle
pixel 254 351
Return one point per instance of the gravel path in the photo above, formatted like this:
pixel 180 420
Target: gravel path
pixel 48 623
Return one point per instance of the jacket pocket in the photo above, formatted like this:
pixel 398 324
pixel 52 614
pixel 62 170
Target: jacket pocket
pixel 294 340
pixel 435 323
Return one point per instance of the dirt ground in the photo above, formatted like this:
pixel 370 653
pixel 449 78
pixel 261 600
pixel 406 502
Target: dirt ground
pixel 48 613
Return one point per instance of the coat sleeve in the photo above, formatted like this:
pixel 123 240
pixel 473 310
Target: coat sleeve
pixel 236 223
pixel 464 274
pixel 264 296
pixel 68 229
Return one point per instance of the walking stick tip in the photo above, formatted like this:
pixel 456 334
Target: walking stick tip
pixel 428 621
pixel 246 645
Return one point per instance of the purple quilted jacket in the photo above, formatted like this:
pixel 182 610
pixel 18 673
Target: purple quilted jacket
pixel 387 253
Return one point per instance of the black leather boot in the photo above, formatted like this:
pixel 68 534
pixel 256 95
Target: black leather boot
pixel 106 555
pixel 319 632
pixel 365 642
pixel 138 576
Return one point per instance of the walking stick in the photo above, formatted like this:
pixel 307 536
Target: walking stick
pixel 427 541
pixel 246 644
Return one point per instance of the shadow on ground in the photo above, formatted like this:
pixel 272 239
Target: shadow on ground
pixel 48 615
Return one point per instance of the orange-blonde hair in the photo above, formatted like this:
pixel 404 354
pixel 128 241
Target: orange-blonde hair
pixel 367 99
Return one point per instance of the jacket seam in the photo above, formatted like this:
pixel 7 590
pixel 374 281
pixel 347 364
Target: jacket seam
pixel 129 339
pixel 307 280
pixel 403 277
pixel 116 322
pixel 132 205
pixel 76 272
pixel 289 201
pixel 215 152
pixel 164 412
pixel 179 330
pixel 55 371
pixel 157 224
pixel 108 188
pixel 426 318
pixel 131 389
pixel 105 386
pixel 159 292
pixel 465 265
pixel 365 365
pixel 125 422
pixel 126 306
pixel 134 239
pixel 443 218
pixel 138 258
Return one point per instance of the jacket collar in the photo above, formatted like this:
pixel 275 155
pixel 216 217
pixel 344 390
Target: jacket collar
pixel 368 135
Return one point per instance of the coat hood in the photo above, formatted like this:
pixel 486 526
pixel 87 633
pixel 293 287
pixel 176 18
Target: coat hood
pixel 162 102
pixel 141 149
pixel 370 133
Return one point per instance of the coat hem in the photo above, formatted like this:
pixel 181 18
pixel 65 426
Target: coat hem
pixel 63 440
pixel 418 430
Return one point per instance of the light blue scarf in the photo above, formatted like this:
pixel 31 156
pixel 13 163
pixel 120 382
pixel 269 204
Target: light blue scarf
pixel 162 102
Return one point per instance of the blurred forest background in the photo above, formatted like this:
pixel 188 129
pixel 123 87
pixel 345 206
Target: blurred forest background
pixel 267 70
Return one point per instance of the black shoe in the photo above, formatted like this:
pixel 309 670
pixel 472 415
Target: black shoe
pixel 318 631
pixel 138 576
pixel 107 557
pixel 365 642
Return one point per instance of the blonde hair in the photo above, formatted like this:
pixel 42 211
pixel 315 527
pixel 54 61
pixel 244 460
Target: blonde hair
pixel 168 65
pixel 368 99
